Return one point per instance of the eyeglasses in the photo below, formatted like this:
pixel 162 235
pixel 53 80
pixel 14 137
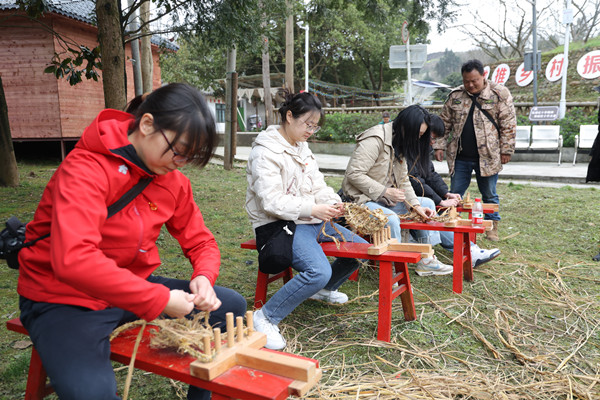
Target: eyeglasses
pixel 178 158
pixel 312 128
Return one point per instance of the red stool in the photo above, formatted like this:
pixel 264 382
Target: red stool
pixel 263 280
pixel 37 388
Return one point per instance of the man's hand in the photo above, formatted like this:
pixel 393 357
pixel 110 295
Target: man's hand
pixel 427 212
pixel 449 203
pixel 439 155
pixel 453 196
pixel 505 158
pixel 205 298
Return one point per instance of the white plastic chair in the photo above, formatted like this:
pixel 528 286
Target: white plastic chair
pixel 547 137
pixel 523 137
pixel 585 139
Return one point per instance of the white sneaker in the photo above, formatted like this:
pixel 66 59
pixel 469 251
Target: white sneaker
pixel 481 256
pixel 274 339
pixel 330 296
pixel 432 266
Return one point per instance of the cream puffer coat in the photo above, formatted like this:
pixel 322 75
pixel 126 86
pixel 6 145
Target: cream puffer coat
pixel 373 165
pixel 284 181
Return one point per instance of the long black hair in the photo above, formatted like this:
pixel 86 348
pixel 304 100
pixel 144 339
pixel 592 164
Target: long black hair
pixel 436 125
pixel 181 108
pixel 300 104
pixel 406 141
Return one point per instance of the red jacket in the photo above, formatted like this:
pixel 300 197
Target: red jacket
pixel 96 263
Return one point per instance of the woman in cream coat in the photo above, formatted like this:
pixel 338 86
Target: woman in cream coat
pixel 284 183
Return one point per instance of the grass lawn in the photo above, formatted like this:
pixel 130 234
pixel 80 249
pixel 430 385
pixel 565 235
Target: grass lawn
pixel 527 327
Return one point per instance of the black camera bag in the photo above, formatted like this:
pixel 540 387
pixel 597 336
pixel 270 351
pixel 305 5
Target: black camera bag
pixel 12 238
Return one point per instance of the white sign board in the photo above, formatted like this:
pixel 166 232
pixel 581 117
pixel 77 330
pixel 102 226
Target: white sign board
pixel 501 74
pixel 486 72
pixel 523 77
pixel 405 34
pixel 543 113
pixel 588 66
pixel 567 16
pixel 554 69
pixel 418 56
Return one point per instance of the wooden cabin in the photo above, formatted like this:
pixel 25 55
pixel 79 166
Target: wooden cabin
pixel 41 107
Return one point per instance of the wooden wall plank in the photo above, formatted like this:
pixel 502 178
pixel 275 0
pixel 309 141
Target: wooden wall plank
pixel 40 107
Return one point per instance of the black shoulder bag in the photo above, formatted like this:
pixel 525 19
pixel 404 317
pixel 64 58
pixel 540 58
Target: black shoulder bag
pixel 487 114
pixel 12 238
pixel 274 244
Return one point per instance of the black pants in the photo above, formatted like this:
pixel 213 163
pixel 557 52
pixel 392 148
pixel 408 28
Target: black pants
pixel 74 347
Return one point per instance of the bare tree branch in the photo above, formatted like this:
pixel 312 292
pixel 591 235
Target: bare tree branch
pixel 509 38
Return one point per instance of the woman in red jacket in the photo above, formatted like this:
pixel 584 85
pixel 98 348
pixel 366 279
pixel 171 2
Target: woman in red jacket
pixel 93 274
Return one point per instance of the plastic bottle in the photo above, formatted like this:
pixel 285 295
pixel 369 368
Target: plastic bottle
pixel 477 213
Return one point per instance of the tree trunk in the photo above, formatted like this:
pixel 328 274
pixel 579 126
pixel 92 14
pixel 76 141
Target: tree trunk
pixel 132 26
pixel 266 75
pixel 113 54
pixel 9 175
pixel 146 48
pixel 230 105
pixel 289 49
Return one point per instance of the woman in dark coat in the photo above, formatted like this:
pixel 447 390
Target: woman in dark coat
pixel 593 172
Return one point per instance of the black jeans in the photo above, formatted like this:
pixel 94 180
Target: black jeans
pixel 73 341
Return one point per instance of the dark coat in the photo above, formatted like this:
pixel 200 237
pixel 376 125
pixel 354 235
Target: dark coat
pixel 431 186
pixel 593 172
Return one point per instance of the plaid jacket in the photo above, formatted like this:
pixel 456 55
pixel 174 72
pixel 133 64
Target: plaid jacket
pixel 498 102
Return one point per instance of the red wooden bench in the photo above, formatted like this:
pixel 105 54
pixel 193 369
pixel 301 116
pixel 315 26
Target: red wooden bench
pixel 488 208
pixel 462 263
pixel 388 275
pixel 237 383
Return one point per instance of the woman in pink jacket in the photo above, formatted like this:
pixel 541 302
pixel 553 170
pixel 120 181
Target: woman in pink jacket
pixel 93 273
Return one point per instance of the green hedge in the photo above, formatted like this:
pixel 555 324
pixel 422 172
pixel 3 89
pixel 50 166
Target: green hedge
pixel 343 128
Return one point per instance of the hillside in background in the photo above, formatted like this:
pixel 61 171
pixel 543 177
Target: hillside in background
pixel 578 89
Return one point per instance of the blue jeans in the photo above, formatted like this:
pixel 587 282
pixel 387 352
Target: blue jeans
pixel 73 341
pixel 431 237
pixel 315 272
pixel 460 181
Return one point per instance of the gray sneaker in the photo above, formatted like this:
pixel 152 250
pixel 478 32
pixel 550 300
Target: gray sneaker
pixel 432 266
pixel 262 324
pixel 481 256
pixel 330 296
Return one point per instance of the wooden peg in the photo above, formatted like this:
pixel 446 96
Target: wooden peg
pixel 206 342
pixel 239 326
pixel 230 329
pixel 250 322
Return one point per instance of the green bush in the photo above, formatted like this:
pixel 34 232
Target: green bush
pixel 343 128
pixel 569 125
pixel 523 120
